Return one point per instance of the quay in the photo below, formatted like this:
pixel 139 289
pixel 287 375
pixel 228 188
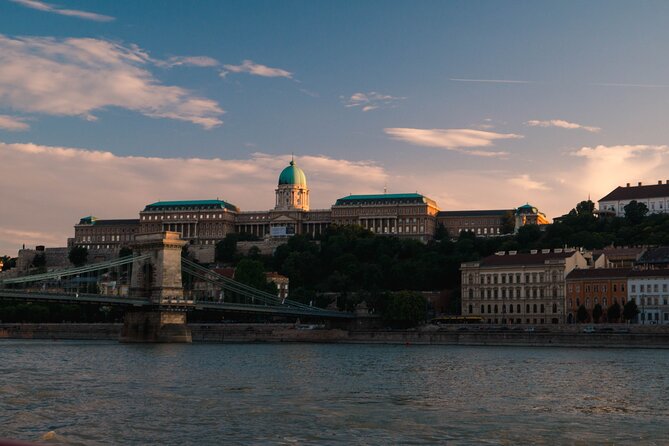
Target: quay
pixel 563 336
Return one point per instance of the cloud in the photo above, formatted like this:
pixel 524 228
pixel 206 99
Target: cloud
pixel 192 61
pixel 452 139
pixel 561 124
pixel 370 101
pixel 46 7
pixel 90 182
pixel 525 182
pixel 77 76
pixel 256 69
pixel 12 123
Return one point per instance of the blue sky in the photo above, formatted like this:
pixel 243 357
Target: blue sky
pixel 477 104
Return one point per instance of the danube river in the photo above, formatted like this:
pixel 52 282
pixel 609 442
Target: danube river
pixel 88 393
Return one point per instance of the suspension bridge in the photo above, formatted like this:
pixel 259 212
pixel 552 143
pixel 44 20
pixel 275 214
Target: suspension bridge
pixel 150 285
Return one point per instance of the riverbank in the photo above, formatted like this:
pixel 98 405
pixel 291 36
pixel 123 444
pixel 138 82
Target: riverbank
pixel 567 336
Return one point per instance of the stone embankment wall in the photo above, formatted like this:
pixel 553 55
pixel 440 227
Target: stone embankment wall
pixel 223 333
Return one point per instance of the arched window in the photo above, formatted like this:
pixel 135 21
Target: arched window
pixel 542 308
pixel 535 308
pixel 510 308
pixel 554 308
pixel 527 308
pixel 488 308
pixel 496 309
pixel 518 310
pixel 471 293
pixel 482 309
pixel 471 308
pixel 470 279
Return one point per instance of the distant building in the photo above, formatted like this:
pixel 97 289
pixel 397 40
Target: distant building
pixel 281 283
pixel 619 257
pixel 650 290
pixel 483 223
pixel 205 222
pixel 513 288
pixel 654 196
pixel 653 258
pixel 402 215
pixel 592 287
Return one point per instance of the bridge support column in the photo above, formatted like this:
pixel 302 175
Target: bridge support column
pixel 159 281
pixel 155 326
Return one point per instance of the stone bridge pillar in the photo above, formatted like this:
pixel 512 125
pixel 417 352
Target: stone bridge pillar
pixel 158 280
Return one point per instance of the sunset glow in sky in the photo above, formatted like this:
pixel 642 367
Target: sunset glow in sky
pixel 106 106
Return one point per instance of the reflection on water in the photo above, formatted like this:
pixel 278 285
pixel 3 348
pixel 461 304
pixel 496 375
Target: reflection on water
pixel 106 393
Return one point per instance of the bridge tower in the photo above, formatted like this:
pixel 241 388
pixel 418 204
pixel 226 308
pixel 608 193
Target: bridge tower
pixel 157 279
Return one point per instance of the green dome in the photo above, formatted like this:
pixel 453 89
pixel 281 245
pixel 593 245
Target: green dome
pixel 293 175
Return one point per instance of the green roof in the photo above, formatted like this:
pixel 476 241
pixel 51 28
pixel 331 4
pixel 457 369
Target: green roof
pixel 409 198
pixel 293 175
pixel 199 204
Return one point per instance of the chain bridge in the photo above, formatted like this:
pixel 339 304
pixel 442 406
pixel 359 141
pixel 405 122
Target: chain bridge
pixel 150 286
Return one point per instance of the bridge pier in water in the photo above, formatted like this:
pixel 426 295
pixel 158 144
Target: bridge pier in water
pixel 157 279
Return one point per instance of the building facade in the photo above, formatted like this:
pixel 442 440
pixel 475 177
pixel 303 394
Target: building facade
pixel 592 287
pixel 654 196
pixel 205 222
pixel 650 290
pixel 513 288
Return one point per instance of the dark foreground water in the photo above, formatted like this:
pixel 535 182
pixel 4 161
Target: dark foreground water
pixel 106 393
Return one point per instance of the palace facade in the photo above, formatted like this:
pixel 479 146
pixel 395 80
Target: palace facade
pixel 205 222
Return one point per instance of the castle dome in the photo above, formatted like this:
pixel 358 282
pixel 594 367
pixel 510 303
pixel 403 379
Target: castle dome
pixel 293 175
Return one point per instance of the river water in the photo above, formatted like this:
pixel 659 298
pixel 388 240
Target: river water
pixel 90 393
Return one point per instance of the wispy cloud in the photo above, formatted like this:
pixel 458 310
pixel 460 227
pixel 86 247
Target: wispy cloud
pixel 525 182
pixel 459 140
pixel 371 100
pixel 562 124
pixel 78 76
pixel 46 7
pixel 192 61
pixel 256 69
pixel 130 182
pixel 13 123
pixel 495 81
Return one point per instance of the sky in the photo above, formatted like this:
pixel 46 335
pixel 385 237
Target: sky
pixel 106 106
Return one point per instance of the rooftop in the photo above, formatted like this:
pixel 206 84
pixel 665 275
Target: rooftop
pixel 117 222
pixel 411 198
pixel 538 258
pixel 655 256
pixel 638 192
pixel 198 204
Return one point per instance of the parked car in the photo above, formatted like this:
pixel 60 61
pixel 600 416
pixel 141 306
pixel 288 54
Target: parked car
pixel 588 329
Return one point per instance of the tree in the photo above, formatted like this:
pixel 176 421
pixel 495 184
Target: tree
pixel 613 313
pixel 582 314
pixel 226 249
pixel 39 261
pixel 508 222
pixel 635 212
pixel 405 309
pixel 597 313
pixel 252 273
pixel 630 310
pixel 78 256
pixel 585 207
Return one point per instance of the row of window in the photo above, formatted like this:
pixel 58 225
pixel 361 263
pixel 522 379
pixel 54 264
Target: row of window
pixel 647 288
pixel 494 309
pixel 512 278
pixel 495 293
pixel 596 288
pixel 161 217
pixel 104 238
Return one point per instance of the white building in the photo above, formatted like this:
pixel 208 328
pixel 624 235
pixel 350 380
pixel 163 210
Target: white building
pixel 654 196
pixel 650 290
pixel 516 288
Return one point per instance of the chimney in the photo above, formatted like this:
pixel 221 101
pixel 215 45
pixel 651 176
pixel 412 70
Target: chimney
pixel 628 184
pixel 639 183
pixel 533 251
pixel 659 181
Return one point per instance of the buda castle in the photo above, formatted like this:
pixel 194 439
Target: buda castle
pixel 205 222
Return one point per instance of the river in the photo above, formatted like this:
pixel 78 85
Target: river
pixel 94 393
